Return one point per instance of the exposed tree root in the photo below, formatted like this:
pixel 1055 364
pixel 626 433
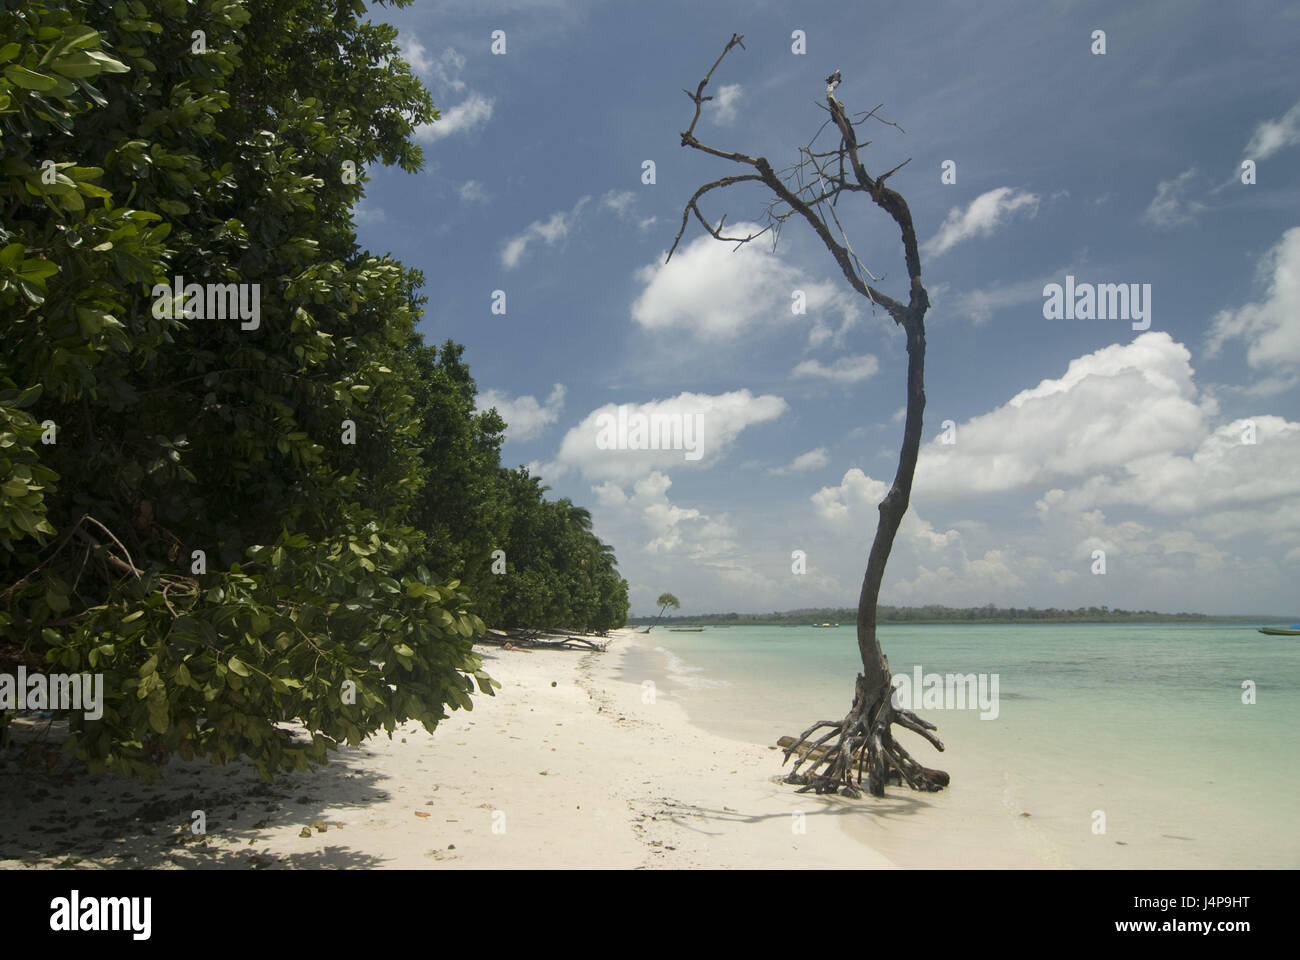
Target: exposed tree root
pixel 863 742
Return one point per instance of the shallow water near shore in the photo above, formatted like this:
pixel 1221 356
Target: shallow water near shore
pixel 1137 728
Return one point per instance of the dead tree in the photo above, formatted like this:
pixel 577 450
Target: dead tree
pixel 810 189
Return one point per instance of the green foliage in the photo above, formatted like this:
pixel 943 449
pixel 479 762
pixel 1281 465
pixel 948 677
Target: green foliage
pixel 178 508
pixel 128 159
pixel 665 601
pixel 557 573
pixel 562 575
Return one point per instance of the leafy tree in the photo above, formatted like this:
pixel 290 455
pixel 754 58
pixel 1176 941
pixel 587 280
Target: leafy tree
pixel 462 508
pixel 557 572
pixel 560 574
pixel 181 509
pixel 665 601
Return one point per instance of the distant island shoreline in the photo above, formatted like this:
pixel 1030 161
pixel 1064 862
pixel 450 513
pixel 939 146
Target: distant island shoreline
pixel 893 616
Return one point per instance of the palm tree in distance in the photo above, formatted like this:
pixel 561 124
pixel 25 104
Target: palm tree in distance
pixel 665 601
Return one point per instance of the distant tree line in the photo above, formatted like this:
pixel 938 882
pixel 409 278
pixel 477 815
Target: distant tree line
pixel 525 560
pixel 936 613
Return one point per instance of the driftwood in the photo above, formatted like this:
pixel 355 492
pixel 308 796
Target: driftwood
pixel 804 752
pixel 542 639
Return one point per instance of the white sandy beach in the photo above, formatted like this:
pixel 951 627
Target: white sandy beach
pixel 566 767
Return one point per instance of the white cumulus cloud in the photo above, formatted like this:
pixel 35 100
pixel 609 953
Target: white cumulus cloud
pixel 550 231
pixel 842 370
pixel 716 422
pixel 1111 407
pixel 466 117
pixel 1169 207
pixel 715 291
pixel 723 104
pixel 525 418
pixel 812 460
pixel 1274 135
pixel 1270 328
pixel 620 201
pixel 985 214
pixel 471 191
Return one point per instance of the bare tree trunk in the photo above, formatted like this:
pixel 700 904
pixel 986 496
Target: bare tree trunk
pixel 863 740
pixel 892 509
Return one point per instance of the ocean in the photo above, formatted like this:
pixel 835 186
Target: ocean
pixel 1128 745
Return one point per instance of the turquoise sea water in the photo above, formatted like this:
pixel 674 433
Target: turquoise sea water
pixel 1144 723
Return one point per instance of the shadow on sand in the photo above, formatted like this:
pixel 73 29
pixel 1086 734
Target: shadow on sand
pixel 58 817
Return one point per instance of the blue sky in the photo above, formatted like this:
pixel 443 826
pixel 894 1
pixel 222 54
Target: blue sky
pixel 1068 436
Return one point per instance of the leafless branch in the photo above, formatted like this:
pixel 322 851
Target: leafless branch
pixel 693 207
pixel 808 189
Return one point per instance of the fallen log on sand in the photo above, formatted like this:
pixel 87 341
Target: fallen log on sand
pixel 817 753
pixel 541 639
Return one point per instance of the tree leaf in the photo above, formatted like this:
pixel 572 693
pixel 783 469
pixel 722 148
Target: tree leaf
pixel 20 76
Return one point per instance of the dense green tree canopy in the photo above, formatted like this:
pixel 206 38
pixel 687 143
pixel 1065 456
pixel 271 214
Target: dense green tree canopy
pixel 239 517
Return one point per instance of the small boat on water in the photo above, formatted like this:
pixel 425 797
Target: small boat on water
pixel 685 629
pixel 1291 631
